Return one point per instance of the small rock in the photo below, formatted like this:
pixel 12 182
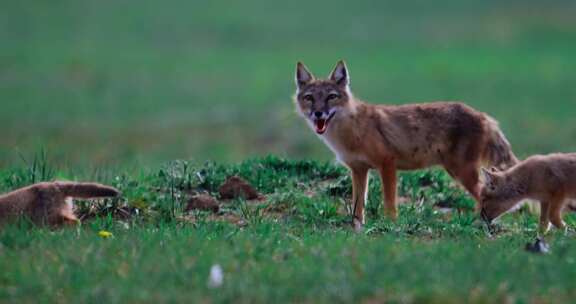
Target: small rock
pixel 539 246
pixel 202 202
pixel 235 187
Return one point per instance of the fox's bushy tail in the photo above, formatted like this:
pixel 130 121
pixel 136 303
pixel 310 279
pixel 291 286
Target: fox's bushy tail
pixel 498 152
pixel 86 190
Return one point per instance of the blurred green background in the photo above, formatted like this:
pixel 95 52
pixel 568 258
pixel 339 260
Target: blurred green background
pixel 124 81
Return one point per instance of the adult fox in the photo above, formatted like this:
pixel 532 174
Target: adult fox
pixel 389 138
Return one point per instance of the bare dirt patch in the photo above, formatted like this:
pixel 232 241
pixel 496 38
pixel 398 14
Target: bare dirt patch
pixel 203 202
pixel 235 187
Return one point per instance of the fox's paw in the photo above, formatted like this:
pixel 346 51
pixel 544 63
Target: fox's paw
pixel 357 225
pixel 543 229
pixel 391 214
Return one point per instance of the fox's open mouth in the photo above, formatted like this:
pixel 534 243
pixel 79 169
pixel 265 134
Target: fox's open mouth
pixel 322 124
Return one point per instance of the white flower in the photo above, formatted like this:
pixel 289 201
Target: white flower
pixel 216 277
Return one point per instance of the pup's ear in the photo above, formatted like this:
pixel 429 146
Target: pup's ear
pixel 486 176
pixel 340 74
pixel 303 76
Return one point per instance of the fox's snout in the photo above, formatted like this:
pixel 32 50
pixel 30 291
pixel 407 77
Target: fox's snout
pixel 319 115
pixel 485 217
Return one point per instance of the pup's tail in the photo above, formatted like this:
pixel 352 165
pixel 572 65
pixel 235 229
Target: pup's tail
pixel 86 190
pixel 498 152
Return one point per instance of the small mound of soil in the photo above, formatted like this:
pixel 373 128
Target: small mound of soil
pixel 235 187
pixel 202 202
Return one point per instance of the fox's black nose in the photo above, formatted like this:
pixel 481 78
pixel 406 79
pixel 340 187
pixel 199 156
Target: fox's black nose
pixel 318 114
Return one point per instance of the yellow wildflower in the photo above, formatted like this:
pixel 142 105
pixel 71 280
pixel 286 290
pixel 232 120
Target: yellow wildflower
pixel 105 234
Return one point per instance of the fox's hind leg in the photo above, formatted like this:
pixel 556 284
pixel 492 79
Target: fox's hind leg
pixel 471 181
pixel 469 177
pixel 388 176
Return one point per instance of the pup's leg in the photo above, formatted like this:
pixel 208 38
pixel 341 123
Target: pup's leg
pixel 388 176
pixel 66 216
pixel 67 219
pixel 556 213
pixel 544 217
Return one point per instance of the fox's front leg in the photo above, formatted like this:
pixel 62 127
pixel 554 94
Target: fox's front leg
pixel 359 184
pixel 388 176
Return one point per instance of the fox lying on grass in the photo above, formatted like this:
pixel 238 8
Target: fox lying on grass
pixel 49 203
pixel 389 138
pixel 550 179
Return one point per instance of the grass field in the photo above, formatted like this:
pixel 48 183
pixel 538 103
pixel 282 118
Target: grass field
pixel 116 91
pixel 296 245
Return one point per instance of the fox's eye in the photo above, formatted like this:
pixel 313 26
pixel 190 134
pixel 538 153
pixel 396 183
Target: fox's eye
pixel 332 96
pixel 308 97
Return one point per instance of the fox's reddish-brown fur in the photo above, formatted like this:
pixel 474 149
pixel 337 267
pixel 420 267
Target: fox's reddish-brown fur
pixel 49 202
pixel 389 138
pixel 550 179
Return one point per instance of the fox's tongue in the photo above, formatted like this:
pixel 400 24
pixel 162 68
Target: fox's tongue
pixel 320 126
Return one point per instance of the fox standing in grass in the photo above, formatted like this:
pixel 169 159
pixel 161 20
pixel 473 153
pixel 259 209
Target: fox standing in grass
pixel 550 179
pixel 389 138
pixel 50 202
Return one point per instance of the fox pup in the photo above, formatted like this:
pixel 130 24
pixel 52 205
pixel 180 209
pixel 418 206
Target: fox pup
pixel 49 203
pixel 550 179
pixel 389 138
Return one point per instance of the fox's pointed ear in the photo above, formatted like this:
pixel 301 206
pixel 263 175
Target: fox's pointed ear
pixel 340 74
pixel 303 76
